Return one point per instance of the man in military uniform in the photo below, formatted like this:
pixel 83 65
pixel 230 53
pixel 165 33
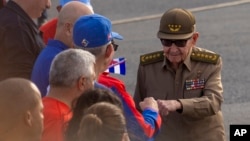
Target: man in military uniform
pixel 185 80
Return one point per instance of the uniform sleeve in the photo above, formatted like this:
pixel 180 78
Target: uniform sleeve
pixel 210 103
pixel 139 90
pixel 151 118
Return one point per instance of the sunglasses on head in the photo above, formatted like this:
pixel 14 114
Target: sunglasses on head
pixel 114 45
pixel 178 43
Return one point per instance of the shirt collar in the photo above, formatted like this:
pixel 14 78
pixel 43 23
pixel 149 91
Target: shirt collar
pixel 56 43
pixel 187 61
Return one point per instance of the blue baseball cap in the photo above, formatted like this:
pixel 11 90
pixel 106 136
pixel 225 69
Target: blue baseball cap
pixel 63 2
pixel 93 30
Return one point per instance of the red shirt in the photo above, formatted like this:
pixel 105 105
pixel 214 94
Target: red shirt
pixel 56 115
pixel 49 30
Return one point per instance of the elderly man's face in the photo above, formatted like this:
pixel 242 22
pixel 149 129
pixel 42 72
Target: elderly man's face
pixel 176 51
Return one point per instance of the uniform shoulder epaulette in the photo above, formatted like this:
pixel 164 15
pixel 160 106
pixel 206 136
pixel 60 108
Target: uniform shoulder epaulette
pixel 151 58
pixel 204 56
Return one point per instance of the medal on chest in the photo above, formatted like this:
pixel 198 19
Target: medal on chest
pixel 196 83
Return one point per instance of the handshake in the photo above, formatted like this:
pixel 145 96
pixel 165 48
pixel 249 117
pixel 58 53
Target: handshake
pixel 161 106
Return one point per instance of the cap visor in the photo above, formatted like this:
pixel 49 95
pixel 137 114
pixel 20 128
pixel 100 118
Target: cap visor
pixel 117 36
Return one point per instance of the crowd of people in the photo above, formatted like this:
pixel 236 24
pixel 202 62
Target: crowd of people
pixel 53 86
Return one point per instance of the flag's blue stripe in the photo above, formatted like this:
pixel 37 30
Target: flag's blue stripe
pixel 122 68
pixel 112 69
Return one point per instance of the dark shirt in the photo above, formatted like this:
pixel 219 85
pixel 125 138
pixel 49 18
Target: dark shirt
pixel 2 3
pixel 20 42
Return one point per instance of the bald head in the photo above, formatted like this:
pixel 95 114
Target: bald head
pixel 72 11
pixel 17 96
pixel 66 19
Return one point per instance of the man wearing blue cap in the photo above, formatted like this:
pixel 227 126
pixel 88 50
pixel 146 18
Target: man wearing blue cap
pixel 94 33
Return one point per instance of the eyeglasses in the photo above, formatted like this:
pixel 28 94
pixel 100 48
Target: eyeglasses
pixel 114 45
pixel 178 43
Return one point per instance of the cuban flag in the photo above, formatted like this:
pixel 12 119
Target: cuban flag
pixel 117 66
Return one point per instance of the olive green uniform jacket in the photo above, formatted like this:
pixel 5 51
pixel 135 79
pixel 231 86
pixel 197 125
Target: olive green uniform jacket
pixel 196 84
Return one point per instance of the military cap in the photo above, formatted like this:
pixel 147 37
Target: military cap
pixel 176 23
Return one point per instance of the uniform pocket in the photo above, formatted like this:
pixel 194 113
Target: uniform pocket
pixel 193 93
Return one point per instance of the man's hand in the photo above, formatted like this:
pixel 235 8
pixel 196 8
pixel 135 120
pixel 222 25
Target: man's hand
pixel 166 106
pixel 149 102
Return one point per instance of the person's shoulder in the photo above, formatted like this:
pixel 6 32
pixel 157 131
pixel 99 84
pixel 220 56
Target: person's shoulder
pixel 204 55
pixel 47 100
pixel 47 54
pixel 53 104
pixel 110 81
pixel 100 85
pixel 151 58
pixel 53 48
pixel 8 18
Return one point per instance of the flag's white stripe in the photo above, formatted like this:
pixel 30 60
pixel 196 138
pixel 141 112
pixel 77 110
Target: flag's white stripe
pixel 117 69
pixel 117 66
pixel 118 62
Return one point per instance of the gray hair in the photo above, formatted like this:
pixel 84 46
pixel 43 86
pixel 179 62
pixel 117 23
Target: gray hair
pixel 69 65
pixel 96 51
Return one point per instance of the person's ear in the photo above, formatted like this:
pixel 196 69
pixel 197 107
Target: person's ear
pixel 109 50
pixel 28 118
pixel 59 7
pixel 195 38
pixel 81 83
pixel 68 27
